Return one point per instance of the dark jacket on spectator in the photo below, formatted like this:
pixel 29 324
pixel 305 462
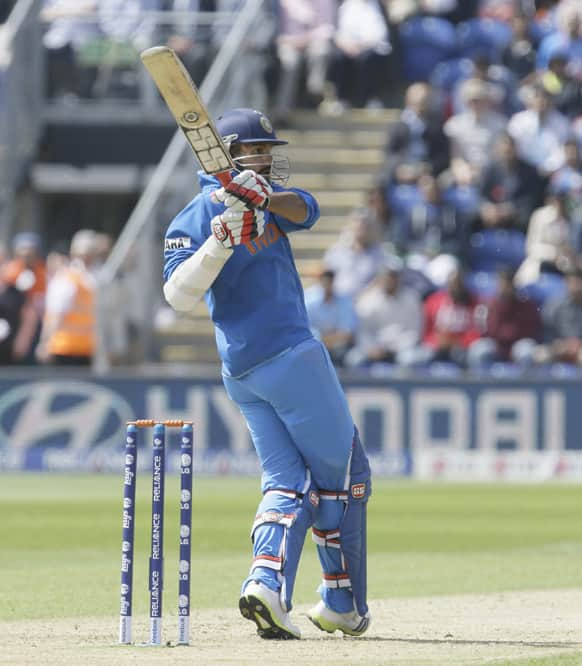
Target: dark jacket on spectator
pixel 510 320
pixel 519 184
pixel 432 144
pixel 11 303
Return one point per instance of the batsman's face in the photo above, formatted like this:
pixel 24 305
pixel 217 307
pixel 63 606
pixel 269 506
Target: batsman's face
pixel 255 156
pixel 258 157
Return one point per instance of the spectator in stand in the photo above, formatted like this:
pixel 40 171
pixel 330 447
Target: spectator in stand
pixel 513 327
pixel 56 258
pixel 472 132
pixel 127 27
pixel 565 89
pixel 357 256
pixel 18 323
pixel 358 70
pixel 519 55
pixel 569 177
pixel 431 226
pixel 454 11
pixel 499 81
pixel 27 268
pixel 379 211
pixel 418 136
pixel 304 41
pixel 71 25
pixel 511 189
pixel 68 331
pixel 539 131
pixel 549 240
pixel 192 38
pixel 390 319
pixel 460 190
pixel 499 10
pixel 450 326
pixel 331 316
pixel 247 82
pixel 26 272
pixel 128 21
pixel 567 39
pixel 562 320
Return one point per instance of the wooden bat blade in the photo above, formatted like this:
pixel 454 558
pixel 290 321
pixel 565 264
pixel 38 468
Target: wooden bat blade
pixel 184 101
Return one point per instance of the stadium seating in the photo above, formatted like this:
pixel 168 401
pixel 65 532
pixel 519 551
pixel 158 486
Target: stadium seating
pixel 548 287
pixel 482 36
pixel 425 42
pixel 491 250
pixel 446 75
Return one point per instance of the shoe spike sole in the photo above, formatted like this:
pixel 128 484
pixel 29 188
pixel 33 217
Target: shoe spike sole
pixel 255 610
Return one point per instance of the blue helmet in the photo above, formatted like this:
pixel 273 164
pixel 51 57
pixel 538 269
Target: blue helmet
pixel 246 126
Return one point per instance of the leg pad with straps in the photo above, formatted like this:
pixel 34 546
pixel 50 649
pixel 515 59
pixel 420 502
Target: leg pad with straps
pixel 278 535
pixel 347 568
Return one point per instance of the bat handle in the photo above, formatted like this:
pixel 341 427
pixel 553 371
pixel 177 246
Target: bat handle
pixel 224 177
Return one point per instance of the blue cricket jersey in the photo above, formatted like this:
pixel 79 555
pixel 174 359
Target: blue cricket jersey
pixel 256 302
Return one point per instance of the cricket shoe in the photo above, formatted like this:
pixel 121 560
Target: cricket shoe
pixel 261 605
pixel 351 623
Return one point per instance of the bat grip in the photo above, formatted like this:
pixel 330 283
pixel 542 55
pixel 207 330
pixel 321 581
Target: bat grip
pixel 224 178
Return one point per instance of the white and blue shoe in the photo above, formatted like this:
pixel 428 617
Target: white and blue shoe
pixel 262 606
pixel 351 623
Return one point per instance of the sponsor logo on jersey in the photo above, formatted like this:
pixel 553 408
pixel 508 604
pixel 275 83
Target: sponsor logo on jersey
pixel 313 498
pixel 177 243
pixel 270 235
pixel 358 490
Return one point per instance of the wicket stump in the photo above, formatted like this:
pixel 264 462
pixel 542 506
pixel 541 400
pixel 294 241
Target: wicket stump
pixel 156 560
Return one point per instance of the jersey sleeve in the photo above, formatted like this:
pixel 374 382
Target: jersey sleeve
pixel 186 233
pixel 312 212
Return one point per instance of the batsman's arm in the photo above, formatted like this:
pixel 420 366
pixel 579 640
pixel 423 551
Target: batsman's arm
pixel 288 205
pixel 188 282
pixel 294 209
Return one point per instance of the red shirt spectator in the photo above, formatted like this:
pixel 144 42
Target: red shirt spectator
pixel 449 316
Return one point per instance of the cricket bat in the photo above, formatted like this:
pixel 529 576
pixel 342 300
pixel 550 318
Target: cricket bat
pixel 184 101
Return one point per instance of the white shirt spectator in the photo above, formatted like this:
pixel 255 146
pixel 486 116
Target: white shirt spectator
pixel 337 314
pixel 472 135
pixel 540 140
pixel 68 23
pixel 361 23
pixel 390 321
pixel 357 257
pixel 61 290
pixel 548 241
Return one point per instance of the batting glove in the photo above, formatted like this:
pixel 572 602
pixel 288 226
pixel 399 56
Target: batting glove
pixel 248 188
pixel 237 227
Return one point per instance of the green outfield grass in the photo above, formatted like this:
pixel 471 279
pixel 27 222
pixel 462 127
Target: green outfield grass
pixel 60 547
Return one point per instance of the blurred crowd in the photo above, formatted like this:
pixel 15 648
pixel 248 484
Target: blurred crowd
pixel 468 253
pixel 48 302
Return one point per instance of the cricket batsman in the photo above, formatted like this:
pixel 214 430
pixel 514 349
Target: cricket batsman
pixel 230 246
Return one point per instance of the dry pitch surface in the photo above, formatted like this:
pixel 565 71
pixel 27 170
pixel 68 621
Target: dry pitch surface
pixel 446 630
